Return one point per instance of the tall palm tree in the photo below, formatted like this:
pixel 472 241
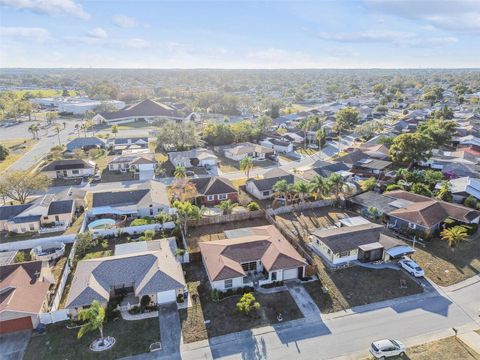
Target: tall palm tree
pixel 319 186
pixel 227 206
pixel 445 193
pixel 57 130
pixel 281 189
pixel 454 235
pixel 320 135
pixel 94 316
pixel 337 182
pixel 302 189
pixel 246 165
pixel 180 172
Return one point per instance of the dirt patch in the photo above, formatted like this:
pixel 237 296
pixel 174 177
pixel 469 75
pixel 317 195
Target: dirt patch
pixel 446 267
pixel 215 232
pixel 222 317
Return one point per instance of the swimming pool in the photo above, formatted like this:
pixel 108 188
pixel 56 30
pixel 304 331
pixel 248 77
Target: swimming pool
pixel 101 224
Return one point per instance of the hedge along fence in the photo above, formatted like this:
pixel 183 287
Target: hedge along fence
pixel 219 219
pixel 133 230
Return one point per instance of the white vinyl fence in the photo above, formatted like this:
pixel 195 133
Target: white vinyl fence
pixel 54 316
pixel 30 244
pixel 133 230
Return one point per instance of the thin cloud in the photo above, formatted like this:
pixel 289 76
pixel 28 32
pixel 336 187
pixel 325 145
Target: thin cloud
pixel 97 33
pixel 49 7
pixel 34 33
pixel 137 43
pixel 367 36
pixel 124 21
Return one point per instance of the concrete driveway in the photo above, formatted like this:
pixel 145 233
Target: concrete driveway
pixel 170 330
pixel 12 346
pixel 304 301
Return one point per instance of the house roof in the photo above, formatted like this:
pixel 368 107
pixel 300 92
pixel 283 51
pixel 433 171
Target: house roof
pixel 68 165
pixel 134 159
pixel 22 289
pixel 427 212
pixel 8 212
pixel 82 142
pixel 268 183
pixel 349 237
pixel 246 148
pixel 374 164
pixel 145 108
pixel 213 185
pixel 200 154
pixel 130 140
pixel 60 207
pixel 374 199
pixel 152 192
pixel 149 272
pixel 223 258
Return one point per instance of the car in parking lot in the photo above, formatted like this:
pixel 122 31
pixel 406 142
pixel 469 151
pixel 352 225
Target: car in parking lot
pixel 382 349
pixel 412 267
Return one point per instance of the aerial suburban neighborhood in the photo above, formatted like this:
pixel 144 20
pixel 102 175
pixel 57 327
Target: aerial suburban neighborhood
pixel 267 209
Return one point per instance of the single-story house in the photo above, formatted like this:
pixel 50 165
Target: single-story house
pixel 251 257
pixel 145 269
pixel 149 199
pixel 364 242
pixel 280 146
pixel 195 157
pixel 326 169
pixel 241 151
pixel 146 110
pixel 213 190
pixel 131 144
pixel 86 143
pixel 293 138
pixel 142 163
pixel 39 213
pixel 263 188
pixel 426 215
pixel 74 168
pixel 371 167
pixel 463 187
pixel 24 289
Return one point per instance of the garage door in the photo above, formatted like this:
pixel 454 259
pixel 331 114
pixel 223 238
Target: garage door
pixel 165 297
pixel 290 274
pixel 9 326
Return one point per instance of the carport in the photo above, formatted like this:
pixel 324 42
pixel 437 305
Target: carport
pixel 399 251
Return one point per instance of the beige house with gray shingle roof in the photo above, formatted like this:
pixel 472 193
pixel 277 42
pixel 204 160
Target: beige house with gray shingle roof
pixel 251 257
pixel 147 268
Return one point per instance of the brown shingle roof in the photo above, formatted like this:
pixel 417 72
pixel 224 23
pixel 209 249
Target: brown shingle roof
pixel 223 258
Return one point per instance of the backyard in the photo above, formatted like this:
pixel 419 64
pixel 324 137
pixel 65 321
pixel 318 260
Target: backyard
pixel 215 232
pixel 445 349
pixel 132 337
pixel 222 317
pixel 228 165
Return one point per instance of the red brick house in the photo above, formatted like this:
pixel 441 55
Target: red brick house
pixel 213 190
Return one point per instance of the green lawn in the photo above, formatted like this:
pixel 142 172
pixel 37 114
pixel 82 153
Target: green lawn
pixel 132 337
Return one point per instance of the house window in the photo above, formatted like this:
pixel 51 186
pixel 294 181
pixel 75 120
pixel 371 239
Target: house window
pixel 57 218
pixel 412 225
pixel 210 197
pixel 222 196
pixel 274 276
pixel 246 280
pixel 75 172
pixel 228 284
pixel 45 218
pixel 151 212
pixel 32 227
pixel 266 193
pixel 250 266
pixel 344 253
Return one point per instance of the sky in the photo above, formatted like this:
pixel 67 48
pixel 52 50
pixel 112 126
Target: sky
pixel 240 34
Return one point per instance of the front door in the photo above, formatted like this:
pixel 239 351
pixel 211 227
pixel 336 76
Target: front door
pixel 300 272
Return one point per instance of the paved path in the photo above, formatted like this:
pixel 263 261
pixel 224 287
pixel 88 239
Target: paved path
pixel 304 302
pixel 170 331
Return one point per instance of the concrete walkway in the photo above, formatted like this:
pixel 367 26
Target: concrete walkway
pixel 472 340
pixel 304 301
pixel 129 317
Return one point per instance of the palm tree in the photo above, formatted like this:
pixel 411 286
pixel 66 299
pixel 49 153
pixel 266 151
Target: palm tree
pixel 320 135
pixel 373 212
pixel 302 189
pixel 34 130
pixel 246 165
pixel 64 125
pixel 77 129
pixel 226 206
pixel 337 182
pixel 114 130
pixel 94 316
pixel 57 130
pixel 445 193
pixel 319 186
pixel 454 235
pixel 281 189
pixel 180 172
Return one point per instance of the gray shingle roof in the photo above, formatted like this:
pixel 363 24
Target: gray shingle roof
pixel 9 211
pixel 142 109
pixel 213 185
pixel 67 165
pixel 60 207
pixel 82 142
pixel 267 184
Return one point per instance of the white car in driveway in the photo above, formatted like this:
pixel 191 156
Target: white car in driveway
pixel 382 349
pixel 412 267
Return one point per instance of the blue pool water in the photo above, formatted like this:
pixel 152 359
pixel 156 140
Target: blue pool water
pixel 101 224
